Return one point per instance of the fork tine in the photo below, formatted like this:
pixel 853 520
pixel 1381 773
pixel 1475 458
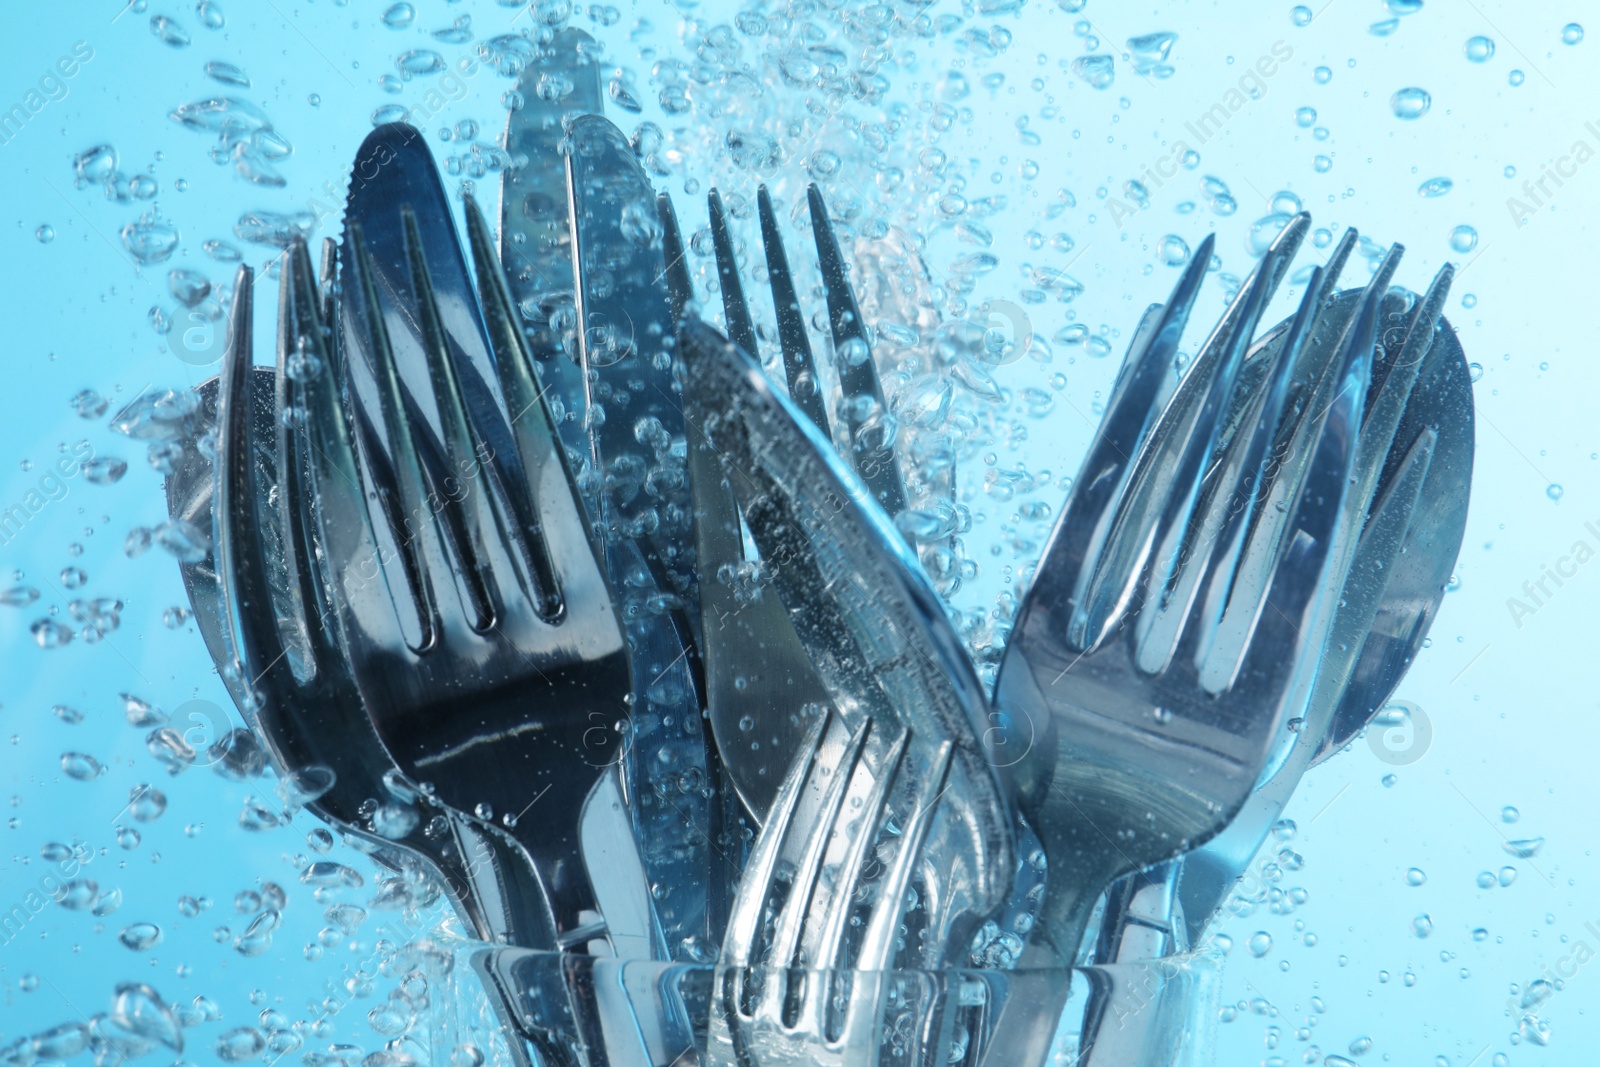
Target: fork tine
pixel 1199 438
pixel 781 951
pixel 1071 563
pixel 799 365
pixel 1229 511
pixel 760 872
pixel 1293 449
pixel 680 290
pixel 458 498
pixel 827 953
pixel 1112 464
pixel 532 428
pixel 1386 408
pixel 876 956
pixel 735 311
pixel 874 460
pixel 877 947
pixel 1274 265
pixel 406 501
pixel 1277 620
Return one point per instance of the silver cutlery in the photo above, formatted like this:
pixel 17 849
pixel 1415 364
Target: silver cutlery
pixel 876 632
pixel 480 627
pixel 1146 680
pixel 1398 576
pixel 759 677
pixel 265 613
pixel 776 1001
pixel 602 352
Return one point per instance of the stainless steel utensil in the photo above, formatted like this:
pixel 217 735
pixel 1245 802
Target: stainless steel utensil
pixel 759 679
pixel 1397 582
pixel 475 867
pixel 759 1018
pixel 508 692
pixel 875 631
pixel 608 367
pixel 1146 680
pixel 264 610
pixel 758 672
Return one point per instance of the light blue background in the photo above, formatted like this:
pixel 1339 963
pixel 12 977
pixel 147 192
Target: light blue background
pixel 1512 706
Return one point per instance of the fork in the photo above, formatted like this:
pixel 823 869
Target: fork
pixel 1144 917
pixel 1149 695
pixel 1379 513
pixel 790 887
pixel 479 623
pixel 740 626
pixel 288 669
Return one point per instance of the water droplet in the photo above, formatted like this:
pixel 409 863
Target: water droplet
pixel 1300 15
pixel 241 1044
pixel 1422 926
pixel 105 470
pixel 1463 239
pixel 1264 230
pixel 1435 187
pixel 1410 103
pixel 1523 849
pixel 257 937
pixel 146 803
pixel 210 14
pixel 1507 875
pixel 1571 33
pixel 1479 49
pixel 420 61
pixel 1259 944
pixel 19 596
pixel 140 937
pixel 1305 117
pixel 1323 75
pixel 139 1010
pixel 1173 250
pixel 1415 877
pixel 169 31
pixel 1553 491
pixel 57 1043
pixel 1516 77
pixel 1098 70
pixel 390 113
pixel 150 240
pixel 399 16
pixel 227 74
pixel 127 838
pixel 1384 28
pixel 81 766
